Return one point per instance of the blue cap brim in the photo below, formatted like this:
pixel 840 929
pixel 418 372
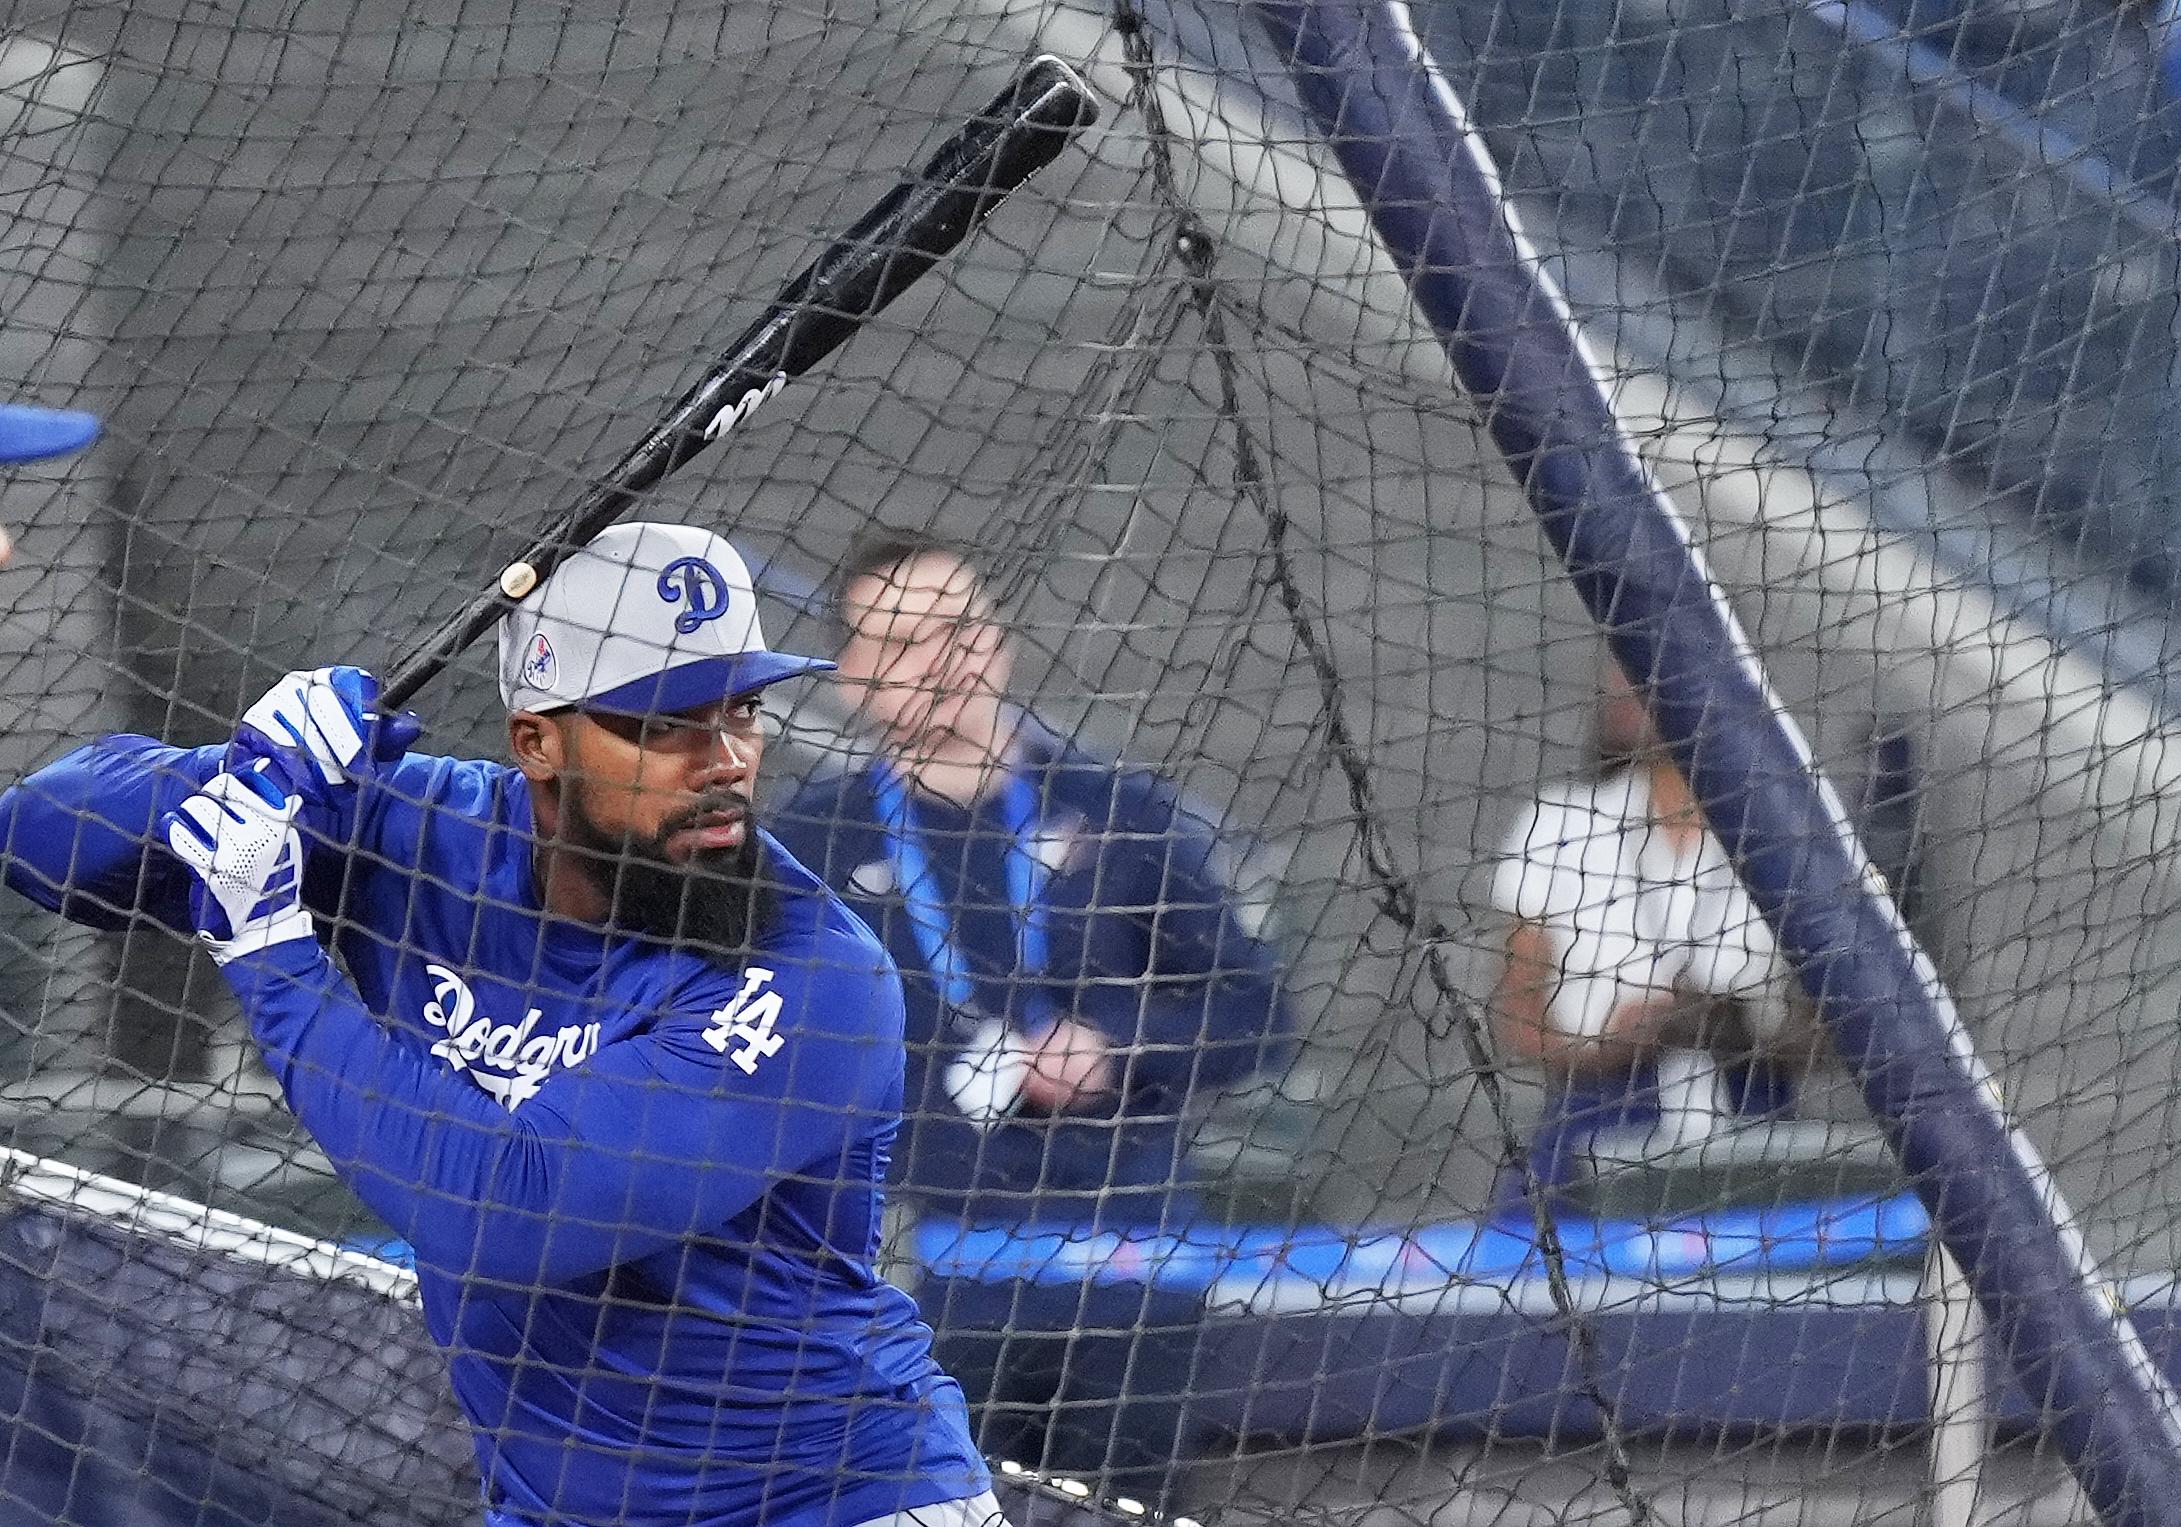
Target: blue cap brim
pixel 704 682
pixel 33 434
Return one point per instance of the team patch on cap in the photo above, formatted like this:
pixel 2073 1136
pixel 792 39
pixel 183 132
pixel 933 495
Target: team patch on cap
pixel 541 669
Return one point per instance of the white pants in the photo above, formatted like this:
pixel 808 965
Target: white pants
pixel 973 1511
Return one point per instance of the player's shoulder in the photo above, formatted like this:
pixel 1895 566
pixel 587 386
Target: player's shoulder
pixel 425 807
pixel 473 787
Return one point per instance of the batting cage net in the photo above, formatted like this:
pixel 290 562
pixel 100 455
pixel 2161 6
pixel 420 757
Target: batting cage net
pixel 1346 1080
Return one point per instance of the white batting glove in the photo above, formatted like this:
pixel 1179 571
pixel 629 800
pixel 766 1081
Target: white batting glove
pixel 237 836
pixel 321 729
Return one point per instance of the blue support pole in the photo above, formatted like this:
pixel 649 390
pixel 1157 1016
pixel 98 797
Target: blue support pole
pixel 1404 141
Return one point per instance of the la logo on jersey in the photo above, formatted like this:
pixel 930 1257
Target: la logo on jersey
pixel 748 1022
pixel 511 1061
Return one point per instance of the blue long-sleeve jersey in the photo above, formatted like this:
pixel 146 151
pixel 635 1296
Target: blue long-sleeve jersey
pixel 644 1187
pixel 1148 942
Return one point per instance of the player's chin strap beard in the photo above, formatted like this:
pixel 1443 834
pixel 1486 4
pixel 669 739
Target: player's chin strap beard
pixel 715 902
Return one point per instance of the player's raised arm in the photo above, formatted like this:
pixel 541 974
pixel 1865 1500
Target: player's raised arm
pixel 81 836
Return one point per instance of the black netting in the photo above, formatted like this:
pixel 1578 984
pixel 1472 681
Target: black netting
pixel 1885 296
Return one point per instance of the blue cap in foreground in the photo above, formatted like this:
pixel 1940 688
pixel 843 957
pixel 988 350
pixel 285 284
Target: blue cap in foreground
pixel 33 434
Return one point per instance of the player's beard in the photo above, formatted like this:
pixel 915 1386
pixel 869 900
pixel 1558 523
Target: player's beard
pixel 717 899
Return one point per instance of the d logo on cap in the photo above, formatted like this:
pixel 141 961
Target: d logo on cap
pixel 701 584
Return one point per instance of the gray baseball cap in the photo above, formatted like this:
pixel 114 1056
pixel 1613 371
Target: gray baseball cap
pixel 647 619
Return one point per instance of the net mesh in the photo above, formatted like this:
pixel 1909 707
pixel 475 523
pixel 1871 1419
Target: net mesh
pixel 1886 297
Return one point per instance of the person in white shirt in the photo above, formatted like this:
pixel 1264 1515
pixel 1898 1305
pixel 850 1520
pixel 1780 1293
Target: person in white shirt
pixel 1638 972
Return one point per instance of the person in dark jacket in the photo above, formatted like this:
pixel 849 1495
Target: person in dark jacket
pixel 1081 979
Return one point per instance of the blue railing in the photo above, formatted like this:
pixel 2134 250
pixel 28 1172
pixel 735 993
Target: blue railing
pixel 1292 1268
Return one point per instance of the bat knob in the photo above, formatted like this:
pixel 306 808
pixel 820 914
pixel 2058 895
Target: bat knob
pixel 517 579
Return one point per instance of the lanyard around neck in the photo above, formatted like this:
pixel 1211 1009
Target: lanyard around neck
pixel 925 902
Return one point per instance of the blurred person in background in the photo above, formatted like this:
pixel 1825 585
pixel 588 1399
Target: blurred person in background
pixel 1082 980
pixel 1638 973
pixel 38 434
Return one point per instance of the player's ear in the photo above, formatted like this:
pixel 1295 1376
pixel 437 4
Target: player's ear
pixel 536 745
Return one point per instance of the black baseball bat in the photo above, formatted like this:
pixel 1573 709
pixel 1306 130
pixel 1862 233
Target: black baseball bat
pixel 887 251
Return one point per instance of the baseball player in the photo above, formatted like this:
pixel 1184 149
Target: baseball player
pixel 622 1071
pixel 34 434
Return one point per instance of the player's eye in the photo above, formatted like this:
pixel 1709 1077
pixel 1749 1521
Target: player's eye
pixel 627 728
pixel 670 729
